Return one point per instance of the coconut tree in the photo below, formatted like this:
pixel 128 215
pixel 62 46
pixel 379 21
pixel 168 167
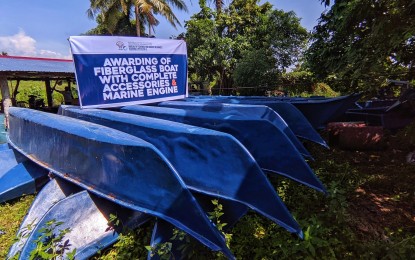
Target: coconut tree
pixel 147 9
pixel 144 10
pixel 110 12
pixel 218 5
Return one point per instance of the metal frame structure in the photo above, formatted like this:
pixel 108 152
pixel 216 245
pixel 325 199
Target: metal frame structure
pixel 34 69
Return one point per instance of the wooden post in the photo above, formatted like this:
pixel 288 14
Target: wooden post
pixel 15 92
pixel 48 92
pixel 7 102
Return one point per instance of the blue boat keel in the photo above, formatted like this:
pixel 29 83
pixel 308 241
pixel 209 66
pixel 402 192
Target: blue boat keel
pixel 164 232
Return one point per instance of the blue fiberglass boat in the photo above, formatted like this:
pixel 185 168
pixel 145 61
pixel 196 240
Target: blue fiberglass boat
pixel 18 175
pixel 224 168
pixel 318 111
pixel 87 221
pixel 297 122
pixel 113 165
pixel 149 171
pixel 322 111
pixel 53 192
pixel 260 112
pixel 270 147
pixel 386 114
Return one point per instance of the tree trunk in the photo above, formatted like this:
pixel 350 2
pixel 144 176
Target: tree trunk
pixel 7 102
pixel 137 20
pixel 219 5
pixel 15 92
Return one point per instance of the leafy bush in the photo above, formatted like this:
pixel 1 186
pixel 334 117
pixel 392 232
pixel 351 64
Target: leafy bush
pixel 51 244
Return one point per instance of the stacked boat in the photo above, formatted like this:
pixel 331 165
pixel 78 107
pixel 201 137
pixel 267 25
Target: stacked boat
pixel 167 161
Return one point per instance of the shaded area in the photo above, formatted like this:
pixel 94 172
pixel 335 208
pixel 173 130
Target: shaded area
pixel 384 200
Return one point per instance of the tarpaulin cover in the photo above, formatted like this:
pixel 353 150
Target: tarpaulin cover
pixel 270 147
pixel 260 112
pixel 209 162
pixel 114 165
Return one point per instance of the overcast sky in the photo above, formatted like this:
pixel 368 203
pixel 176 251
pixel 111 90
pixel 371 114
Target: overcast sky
pixel 40 28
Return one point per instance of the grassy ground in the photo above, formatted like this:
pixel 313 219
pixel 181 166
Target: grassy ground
pixel 369 212
pixel 37 88
pixel 12 214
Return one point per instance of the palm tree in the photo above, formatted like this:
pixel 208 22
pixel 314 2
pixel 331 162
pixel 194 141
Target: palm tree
pixel 218 5
pixel 109 12
pixel 145 11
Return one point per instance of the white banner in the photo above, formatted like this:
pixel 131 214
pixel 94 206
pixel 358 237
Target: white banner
pixel 116 71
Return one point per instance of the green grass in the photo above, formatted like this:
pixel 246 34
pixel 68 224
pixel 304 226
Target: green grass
pixel 328 223
pixel 11 215
pixel 368 213
pixel 38 89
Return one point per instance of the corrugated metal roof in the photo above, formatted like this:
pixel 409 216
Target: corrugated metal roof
pixel 29 64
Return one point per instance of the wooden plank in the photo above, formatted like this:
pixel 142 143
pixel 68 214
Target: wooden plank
pixel 7 102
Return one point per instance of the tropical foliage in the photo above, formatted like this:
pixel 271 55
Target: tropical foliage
pixel 237 47
pixel 242 46
pixel 114 16
pixel 361 43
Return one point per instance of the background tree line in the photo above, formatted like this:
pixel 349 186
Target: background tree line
pixel 245 47
pixel 358 44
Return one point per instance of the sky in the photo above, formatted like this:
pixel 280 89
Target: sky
pixel 40 28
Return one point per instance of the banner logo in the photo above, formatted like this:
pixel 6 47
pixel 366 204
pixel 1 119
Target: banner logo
pixel 121 46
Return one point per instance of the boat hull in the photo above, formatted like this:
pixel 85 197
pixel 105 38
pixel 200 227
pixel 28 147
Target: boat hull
pixel 114 165
pixel 297 122
pixel 209 162
pixel 270 147
pixel 260 112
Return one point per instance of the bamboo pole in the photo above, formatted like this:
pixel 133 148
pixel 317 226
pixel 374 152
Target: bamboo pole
pixel 7 102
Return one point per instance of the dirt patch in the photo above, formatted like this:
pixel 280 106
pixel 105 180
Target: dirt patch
pixel 385 200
